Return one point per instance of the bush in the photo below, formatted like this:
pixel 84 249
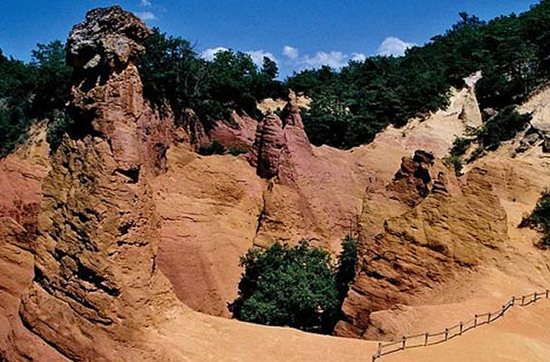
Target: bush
pixel 540 219
pixel 296 286
pixel 61 123
pixel 214 148
pixel 31 91
pixel 237 150
pixel 502 127
pixel 460 146
pixel 454 162
pixel 346 267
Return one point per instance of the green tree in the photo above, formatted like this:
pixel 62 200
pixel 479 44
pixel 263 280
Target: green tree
pixel 287 286
pixel 270 68
pixel 347 263
pixel 53 79
pixel 171 71
pixel 539 219
pixel 502 127
pixel 298 286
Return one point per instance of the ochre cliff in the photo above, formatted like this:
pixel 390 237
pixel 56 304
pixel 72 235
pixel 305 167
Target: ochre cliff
pixel 88 235
pixel 453 244
pixel 95 282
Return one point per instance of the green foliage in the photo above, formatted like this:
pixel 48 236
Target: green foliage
pixel 347 263
pixel 295 286
pixel 31 91
pixel 237 150
pixel 61 123
pixel 454 162
pixel 53 79
pixel 460 146
pixel 478 152
pixel 214 148
pixel 172 71
pixel 502 127
pixel 513 53
pixel 540 219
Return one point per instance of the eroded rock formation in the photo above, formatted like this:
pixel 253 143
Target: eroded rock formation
pixel 431 244
pixel 95 278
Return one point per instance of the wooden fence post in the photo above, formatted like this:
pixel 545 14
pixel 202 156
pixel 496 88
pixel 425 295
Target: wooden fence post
pixel 504 308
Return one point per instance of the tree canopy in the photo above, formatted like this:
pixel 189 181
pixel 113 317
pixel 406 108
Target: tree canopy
pixel 298 286
pixel 31 91
pixel 351 105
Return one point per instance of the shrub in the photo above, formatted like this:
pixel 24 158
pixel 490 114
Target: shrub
pixel 502 127
pixel 347 262
pixel 460 146
pixel 214 148
pixel 61 123
pixel 237 150
pixel 298 286
pixel 454 162
pixel 540 219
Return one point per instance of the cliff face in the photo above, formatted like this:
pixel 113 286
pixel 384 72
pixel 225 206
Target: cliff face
pixel 95 278
pixel 83 253
pixel 312 193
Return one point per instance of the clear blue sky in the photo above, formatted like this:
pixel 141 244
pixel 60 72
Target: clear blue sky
pixel 314 32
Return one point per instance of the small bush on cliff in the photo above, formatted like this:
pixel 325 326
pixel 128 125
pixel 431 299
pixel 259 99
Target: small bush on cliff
pixel 214 148
pixel 540 219
pixel 347 262
pixel 298 286
pixel 502 127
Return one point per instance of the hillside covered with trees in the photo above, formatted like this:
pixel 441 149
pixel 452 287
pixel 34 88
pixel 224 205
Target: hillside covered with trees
pixel 349 105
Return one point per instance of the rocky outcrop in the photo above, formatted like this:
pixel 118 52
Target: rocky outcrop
pixel 16 275
pixel 322 186
pixel 237 135
pixel 417 253
pixel 96 283
pixel 209 208
pixel 21 176
pixel 268 146
pixel 413 181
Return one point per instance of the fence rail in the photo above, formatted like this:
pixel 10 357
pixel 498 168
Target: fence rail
pixel 429 339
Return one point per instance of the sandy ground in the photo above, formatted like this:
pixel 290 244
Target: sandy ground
pixel 521 335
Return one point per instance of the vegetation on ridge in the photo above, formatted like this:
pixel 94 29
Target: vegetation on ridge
pixel 350 106
pixel 353 104
pixel 37 90
pixel 539 219
pixel 173 72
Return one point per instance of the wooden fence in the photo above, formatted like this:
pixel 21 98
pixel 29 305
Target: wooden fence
pixel 428 339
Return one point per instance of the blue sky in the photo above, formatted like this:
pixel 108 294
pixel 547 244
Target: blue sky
pixel 297 34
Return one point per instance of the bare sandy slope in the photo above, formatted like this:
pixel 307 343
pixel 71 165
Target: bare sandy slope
pixel 522 335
